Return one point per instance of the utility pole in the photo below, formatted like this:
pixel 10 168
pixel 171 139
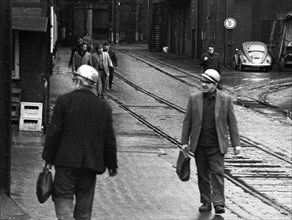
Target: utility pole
pixel 228 35
pixel 137 20
pixel 114 22
pixel 5 95
pixel 118 22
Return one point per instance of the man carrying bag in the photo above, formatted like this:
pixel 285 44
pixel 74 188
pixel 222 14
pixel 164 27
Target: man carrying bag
pixel 208 120
pixel 80 143
pixel 183 165
pixel 45 183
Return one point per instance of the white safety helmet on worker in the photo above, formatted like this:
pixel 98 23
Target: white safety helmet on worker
pixel 87 72
pixel 212 75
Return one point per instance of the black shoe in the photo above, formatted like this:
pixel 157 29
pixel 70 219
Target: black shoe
pixel 219 209
pixel 206 207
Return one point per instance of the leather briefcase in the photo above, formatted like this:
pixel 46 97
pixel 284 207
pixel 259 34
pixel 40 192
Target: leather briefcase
pixel 183 166
pixel 44 184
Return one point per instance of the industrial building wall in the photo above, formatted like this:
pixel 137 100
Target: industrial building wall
pixel 188 30
pixel 194 24
pixel 264 13
pixel 33 66
pixel 212 29
pixel 179 27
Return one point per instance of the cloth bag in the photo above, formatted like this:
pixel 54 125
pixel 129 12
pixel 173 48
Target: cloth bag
pixel 44 183
pixel 183 166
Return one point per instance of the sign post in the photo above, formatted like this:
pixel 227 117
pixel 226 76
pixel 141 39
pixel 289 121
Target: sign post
pixel 229 23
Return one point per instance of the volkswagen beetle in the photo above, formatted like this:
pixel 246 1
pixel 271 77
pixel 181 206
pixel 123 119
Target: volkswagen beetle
pixel 252 54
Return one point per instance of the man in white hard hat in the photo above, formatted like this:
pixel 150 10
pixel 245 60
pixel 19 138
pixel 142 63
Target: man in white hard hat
pixel 208 119
pixel 81 144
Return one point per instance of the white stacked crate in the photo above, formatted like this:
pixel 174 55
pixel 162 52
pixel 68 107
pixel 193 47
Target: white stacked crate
pixel 31 116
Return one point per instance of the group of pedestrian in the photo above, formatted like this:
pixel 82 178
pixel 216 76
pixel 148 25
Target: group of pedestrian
pixel 104 60
pixel 81 143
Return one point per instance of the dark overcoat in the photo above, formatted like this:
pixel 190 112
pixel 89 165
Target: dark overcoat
pixel 213 62
pixel 81 133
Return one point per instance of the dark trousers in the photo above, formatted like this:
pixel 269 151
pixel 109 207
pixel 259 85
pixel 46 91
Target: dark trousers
pixel 210 167
pixel 70 183
pixel 103 77
pixel 111 77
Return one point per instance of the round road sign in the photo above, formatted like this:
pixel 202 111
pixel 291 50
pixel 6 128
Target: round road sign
pixel 230 23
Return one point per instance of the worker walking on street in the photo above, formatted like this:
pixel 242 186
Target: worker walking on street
pixel 114 59
pixel 88 40
pixel 81 144
pixel 209 116
pixel 74 49
pixel 81 57
pixel 211 60
pixel 102 63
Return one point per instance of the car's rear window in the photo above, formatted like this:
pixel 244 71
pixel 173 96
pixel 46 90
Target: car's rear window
pixel 252 47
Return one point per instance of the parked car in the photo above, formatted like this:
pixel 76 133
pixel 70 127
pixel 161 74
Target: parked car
pixel 252 54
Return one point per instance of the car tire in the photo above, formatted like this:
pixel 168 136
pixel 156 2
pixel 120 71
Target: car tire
pixel 281 64
pixel 240 66
pixel 234 64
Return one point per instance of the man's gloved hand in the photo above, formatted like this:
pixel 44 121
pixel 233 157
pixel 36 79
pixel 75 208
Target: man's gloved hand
pixel 205 58
pixel 237 150
pixel 112 172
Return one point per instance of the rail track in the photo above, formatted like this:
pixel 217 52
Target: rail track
pixel 248 172
pixel 261 104
pixel 245 161
pixel 257 104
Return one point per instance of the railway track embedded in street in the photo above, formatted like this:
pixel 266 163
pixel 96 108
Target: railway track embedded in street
pixel 245 171
pixel 259 104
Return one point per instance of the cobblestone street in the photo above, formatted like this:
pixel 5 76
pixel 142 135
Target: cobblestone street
pixel 146 186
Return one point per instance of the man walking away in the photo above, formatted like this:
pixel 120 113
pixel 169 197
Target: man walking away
pixel 112 54
pixel 209 116
pixel 80 143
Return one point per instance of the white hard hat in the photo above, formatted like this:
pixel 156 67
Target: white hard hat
pixel 212 75
pixel 88 72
